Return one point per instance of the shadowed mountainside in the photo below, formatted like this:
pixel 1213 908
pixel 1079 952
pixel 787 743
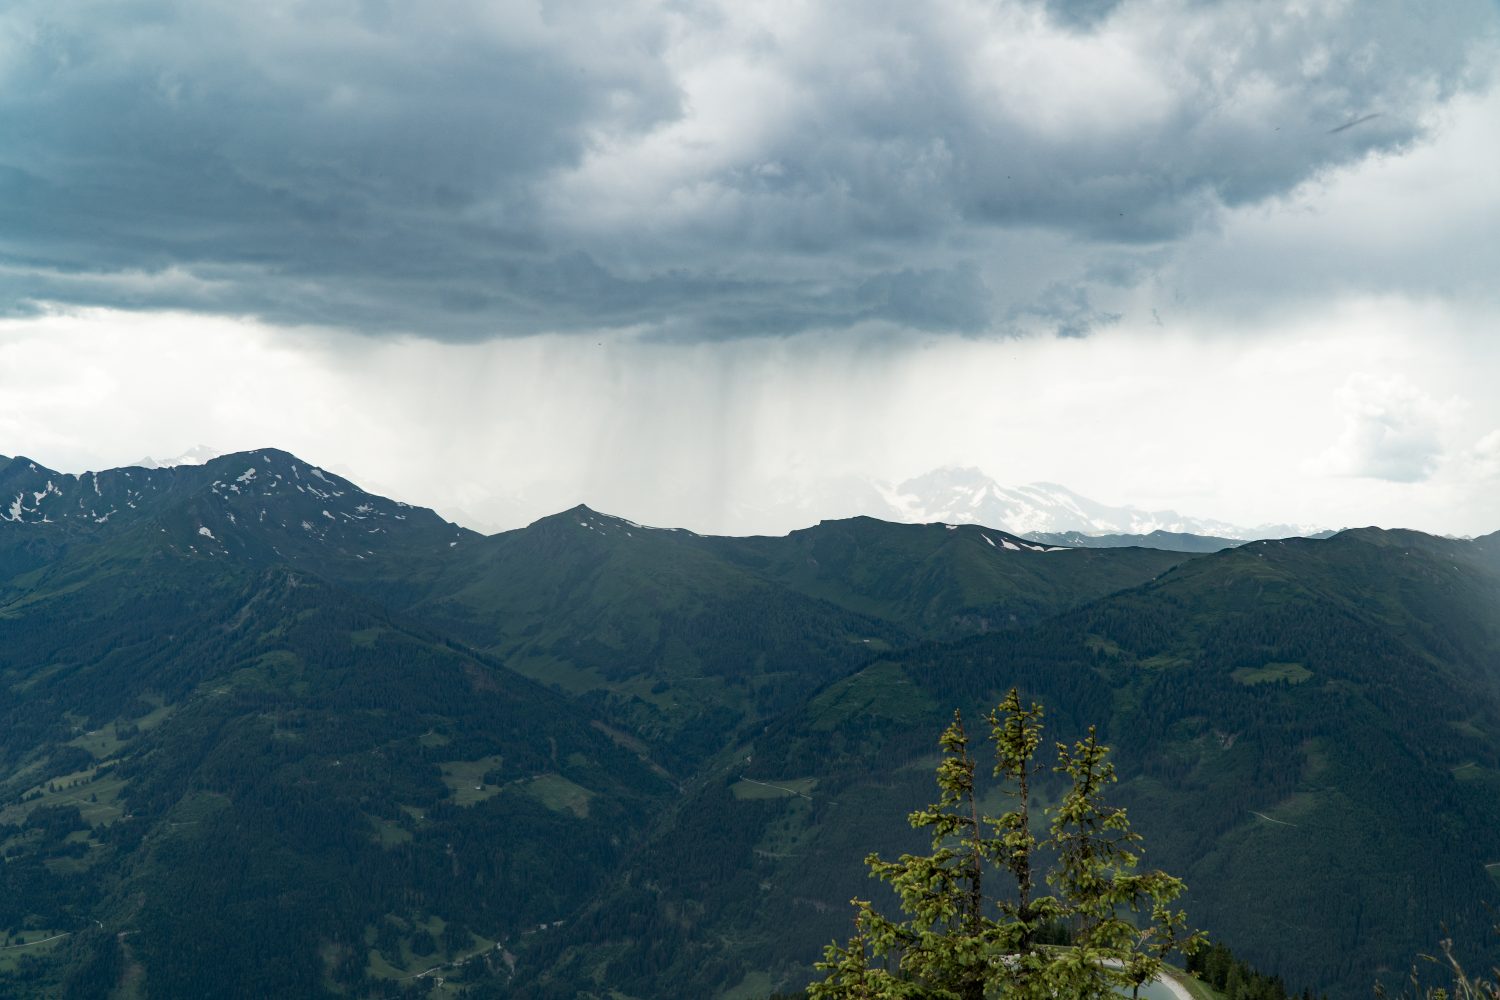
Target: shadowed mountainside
pixel 289 737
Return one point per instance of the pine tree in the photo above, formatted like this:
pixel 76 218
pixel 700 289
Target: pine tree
pixel 957 942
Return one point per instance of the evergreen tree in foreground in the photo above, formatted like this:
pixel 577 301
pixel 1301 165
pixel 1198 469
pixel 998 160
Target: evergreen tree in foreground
pixel 961 940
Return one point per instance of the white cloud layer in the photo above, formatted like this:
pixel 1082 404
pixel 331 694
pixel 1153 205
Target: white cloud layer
pixel 1392 431
pixel 751 436
pixel 1484 460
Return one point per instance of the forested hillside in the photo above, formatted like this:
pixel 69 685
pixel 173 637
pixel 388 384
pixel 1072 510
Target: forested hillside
pixel 263 733
pixel 1306 733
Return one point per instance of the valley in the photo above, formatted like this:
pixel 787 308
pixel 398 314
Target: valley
pixel 263 731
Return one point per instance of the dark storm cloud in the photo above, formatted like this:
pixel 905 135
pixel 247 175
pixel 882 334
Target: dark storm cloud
pixel 471 169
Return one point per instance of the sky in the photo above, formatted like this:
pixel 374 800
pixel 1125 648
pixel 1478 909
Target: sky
pixel 716 264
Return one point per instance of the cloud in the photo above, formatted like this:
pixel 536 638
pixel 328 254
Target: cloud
pixel 768 435
pixel 1392 431
pixel 1062 309
pixel 707 171
pixel 1484 458
pixel 1414 225
pixel 1081 13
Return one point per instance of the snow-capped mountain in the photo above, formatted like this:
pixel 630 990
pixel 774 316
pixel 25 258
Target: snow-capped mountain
pixel 197 455
pixel 968 496
pixel 266 502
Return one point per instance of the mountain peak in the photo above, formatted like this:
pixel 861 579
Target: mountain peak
pixel 967 495
pixel 200 454
pixel 259 504
pixel 582 517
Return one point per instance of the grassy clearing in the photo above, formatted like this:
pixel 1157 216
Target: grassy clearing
pixel 1164 661
pixel 70 865
pixel 792 833
pixel 95 791
pixel 390 833
pixel 106 741
pixel 779 788
pixel 554 672
pixel 668 699
pixel 1295 808
pixel 465 779
pixel 880 690
pixel 193 808
pixel 28 943
pixel 102 743
pixel 1293 673
pixel 755 986
pixel 1107 646
pixel 278 670
pixel 410 960
pixel 621 738
pixel 35 765
pixel 559 794
pixel 1199 989
pixel 411 965
pixel 1468 771
pixel 365 638
pixel 377 967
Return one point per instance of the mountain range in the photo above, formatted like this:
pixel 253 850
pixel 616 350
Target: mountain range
pixel 953 494
pixel 264 733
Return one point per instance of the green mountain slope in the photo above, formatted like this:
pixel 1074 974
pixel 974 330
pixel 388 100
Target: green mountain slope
pixel 1487 551
pixel 667 641
pixel 264 733
pixel 272 786
pixel 681 638
pixel 1306 730
pixel 940 580
pixel 222 682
